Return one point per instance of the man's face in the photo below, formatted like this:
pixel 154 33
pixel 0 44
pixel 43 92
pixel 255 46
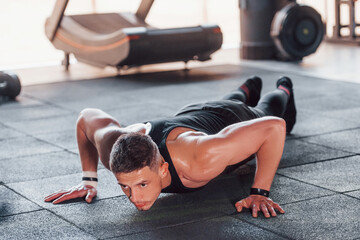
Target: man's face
pixel 141 186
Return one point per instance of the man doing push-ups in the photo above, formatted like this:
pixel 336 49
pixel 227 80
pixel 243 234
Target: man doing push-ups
pixel 184 152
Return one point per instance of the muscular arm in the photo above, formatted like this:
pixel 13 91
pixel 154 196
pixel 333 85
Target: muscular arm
pixel 263 136
pixel 94 141
pixel 87 150
pixel 91 129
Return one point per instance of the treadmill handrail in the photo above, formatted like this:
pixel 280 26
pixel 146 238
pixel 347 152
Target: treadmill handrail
pixel 144 9
pixel 53 22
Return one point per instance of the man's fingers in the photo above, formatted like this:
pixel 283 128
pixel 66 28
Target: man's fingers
pixel 91 194
pixel 257 204
pixel 240 205
pixel 71 195
pixel 264 210
pixel 255 210
pixel 271 209
pixel 54 195
pixel 277 207
pixel 63 198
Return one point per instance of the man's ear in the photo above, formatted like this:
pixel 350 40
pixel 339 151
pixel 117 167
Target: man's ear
pixel 164 169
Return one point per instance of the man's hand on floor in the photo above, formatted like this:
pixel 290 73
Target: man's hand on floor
pixel 259 203
pixel 79 191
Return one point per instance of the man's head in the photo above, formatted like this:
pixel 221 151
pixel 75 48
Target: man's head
pixel 139 168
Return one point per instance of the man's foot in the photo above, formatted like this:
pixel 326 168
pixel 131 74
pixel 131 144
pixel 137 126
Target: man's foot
pixel 252 89
pixel 285 84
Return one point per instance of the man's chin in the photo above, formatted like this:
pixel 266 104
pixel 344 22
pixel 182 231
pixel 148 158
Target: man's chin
pixel 144 207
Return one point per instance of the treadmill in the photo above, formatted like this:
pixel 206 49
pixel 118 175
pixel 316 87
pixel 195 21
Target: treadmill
pixel 126 40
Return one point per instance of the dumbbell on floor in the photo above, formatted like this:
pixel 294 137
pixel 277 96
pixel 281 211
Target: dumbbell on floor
pixel 10 85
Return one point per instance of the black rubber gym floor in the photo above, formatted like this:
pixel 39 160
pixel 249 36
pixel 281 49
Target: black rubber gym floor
pixel 317 183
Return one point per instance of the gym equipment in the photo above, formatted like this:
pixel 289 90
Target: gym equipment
pixel 338 35
pixel 10 85
pixel 126 40
pixel 278 29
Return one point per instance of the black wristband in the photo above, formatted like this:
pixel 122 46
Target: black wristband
pixel 92 179
pixel 259 191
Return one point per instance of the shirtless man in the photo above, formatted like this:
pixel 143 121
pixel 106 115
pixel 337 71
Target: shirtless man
pixel 184 152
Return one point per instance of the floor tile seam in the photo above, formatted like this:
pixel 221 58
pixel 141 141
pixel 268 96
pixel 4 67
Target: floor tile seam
pixel 34 155
pixel 328 114
pixel 333 94
pixel 168 226
pixel 70 222
pixel 320 161
pixel 65 81
pixel 12 128
pixel 10 138
pixel 42 118
pixel 233 215
pixel 33 119
pixel 299 72
pixel 69 151
pixel 17 107
pixel 29 134
pixel 319 197
pixel 129 92
pixel 131 106
pixel 325 133
pixel 311 198
pixel 48 102
pixel 63 148
pixel 81 202
pixel 345 194
pixel 351 191
pixel 23 196
pixel 326 146
pixel 21 213
pixel 47 142
pixel 38 179
pixel 25 94
pixel 79 81
pixel 35 106
pixel 302 100
pixel 311 184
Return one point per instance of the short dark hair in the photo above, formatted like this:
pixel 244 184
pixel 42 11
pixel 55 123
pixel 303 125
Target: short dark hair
pixel 133 151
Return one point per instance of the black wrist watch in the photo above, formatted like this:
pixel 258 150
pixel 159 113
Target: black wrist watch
pixel 92 179
pixel 259 191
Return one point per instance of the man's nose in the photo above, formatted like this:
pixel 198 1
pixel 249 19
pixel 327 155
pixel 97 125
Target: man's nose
pixel 134 196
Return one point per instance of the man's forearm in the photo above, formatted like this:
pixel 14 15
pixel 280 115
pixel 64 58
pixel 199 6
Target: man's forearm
pixel 88 153
pixel 268 158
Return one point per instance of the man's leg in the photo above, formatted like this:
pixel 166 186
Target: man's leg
pixel 248 92
pixel 280 103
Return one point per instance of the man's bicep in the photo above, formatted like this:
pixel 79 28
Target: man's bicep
pixel 222 147
pixel 251 129
pixel 94 121
pixel 238 141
